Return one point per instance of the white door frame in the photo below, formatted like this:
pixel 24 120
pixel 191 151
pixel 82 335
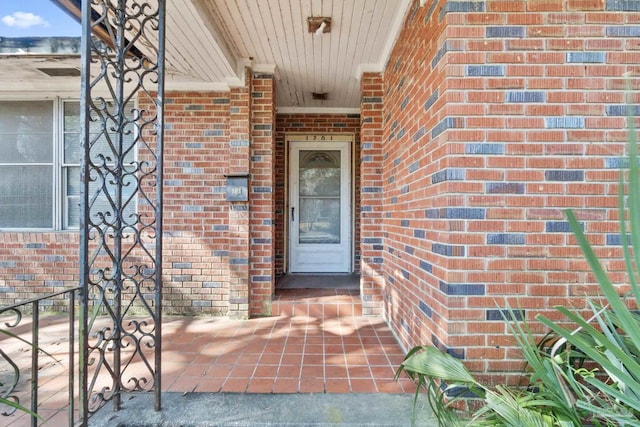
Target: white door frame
pixel 341 142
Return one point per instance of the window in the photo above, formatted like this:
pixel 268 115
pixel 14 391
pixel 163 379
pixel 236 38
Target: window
pixel 40 165
pixel 71 164
pixel 27 157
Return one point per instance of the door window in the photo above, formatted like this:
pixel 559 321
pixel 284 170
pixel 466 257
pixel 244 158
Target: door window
pixel 319 197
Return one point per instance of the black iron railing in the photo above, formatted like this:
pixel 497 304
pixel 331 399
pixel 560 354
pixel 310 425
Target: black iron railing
pixel 14 373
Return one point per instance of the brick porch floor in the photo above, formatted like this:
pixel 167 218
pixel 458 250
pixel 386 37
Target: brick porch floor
pixel 315 342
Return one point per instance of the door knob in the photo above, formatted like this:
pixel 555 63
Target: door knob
pixel 293 217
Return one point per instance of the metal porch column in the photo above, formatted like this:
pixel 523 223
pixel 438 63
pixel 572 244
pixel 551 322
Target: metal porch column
pixel 121 200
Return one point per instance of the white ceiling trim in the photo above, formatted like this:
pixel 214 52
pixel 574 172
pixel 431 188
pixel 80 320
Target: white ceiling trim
pixel 316 110
pixel 396 27
pixel 220 43
pixel 235 82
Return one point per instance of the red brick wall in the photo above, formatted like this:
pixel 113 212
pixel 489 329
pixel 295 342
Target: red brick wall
pixel 310 124
pixel 498 115
pixel 195 219
pixel 238 237
pixel 37 264
pixel 207 136
pixel 372 281
pixel 196 213
pixel 261 195
pixel 408 162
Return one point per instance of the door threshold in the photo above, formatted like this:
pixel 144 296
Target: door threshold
pixel 318 281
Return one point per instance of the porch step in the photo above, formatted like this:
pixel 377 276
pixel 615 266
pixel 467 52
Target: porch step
pixel 248 410
pixel 318 303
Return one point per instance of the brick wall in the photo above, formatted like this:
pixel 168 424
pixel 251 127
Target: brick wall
pixel 498 115
pixel 37 263
pixel 196 256
pixel 310 124
pixel 196 213
pixel 238 237
pixel 216 253
pixel 261 275
pixel 372 281
pixel 225 247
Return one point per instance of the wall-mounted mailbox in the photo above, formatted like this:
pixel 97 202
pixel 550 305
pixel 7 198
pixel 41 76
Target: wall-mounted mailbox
pixel 237 188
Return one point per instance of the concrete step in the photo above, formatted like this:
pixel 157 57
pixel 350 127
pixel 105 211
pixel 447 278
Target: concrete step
pixel 248 410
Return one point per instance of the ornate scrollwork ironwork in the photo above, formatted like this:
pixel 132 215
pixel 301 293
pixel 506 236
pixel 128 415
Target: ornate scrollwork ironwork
pixel 19 378
pixel 10 373
pixel 121 212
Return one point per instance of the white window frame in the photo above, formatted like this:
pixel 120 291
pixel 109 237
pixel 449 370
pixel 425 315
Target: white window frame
pixel 55 101
pixel 63 210
pixel 60 208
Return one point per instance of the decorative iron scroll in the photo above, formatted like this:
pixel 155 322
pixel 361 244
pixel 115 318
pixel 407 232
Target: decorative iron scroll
pixel 121 202
pixel 19 376
pixel 10 318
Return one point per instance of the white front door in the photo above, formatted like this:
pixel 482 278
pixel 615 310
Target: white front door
pixel 319 207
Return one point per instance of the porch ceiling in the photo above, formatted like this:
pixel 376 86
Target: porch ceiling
pixel 275 34
pixel 210 41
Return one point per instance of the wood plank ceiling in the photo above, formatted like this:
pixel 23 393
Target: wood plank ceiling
pixel 209 42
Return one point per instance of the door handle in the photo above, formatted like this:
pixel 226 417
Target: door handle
pixel 293 217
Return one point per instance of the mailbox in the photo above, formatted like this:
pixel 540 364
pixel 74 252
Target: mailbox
pixel 237 188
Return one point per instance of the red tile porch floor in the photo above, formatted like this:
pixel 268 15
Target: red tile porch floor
pixel 316 342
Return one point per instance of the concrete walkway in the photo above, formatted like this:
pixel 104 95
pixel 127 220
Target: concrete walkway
pixel 245 410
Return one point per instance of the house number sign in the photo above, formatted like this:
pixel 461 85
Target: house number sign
pixel 319 137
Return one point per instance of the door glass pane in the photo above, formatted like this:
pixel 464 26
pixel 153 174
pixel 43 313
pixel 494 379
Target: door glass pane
pixel 319 197
pixel 26 197
pixel 320 220
pixel 320 173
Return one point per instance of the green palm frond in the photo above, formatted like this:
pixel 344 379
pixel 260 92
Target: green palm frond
pixel 511 412
pixel 434 363
pixel 10 403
